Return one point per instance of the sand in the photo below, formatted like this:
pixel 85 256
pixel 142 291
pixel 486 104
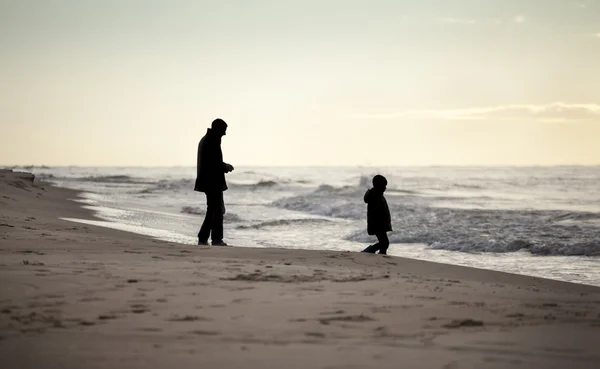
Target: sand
pixel 79 296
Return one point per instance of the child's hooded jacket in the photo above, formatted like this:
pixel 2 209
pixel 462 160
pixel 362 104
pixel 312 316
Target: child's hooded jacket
pixel 378 212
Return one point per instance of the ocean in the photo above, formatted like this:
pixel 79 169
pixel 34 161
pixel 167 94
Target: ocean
pixel 537 221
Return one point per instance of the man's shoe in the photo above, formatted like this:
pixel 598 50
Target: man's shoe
pixel 202 242
pixel 219 243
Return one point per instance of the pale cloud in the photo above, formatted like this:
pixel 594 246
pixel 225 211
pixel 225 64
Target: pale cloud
pixel 457 20
pixel 519 19
pixel 597 35
pixel 555 112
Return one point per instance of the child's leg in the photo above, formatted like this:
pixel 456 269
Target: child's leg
pixel 371 249
pixel 383 243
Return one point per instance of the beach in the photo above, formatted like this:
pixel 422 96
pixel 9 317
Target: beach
pixel 75 295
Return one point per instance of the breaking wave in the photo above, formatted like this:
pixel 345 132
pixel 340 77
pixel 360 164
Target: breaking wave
pixel 265 184
pixel 503 244
pixel 284 222
pixel 581 216
pixel 195 210
pixel 338 202
pixel 113 179
pixel 417 220
pixel 188 184
pixel 169 185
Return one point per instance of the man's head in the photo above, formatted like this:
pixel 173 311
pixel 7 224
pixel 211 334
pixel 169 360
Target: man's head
pixel 219 126
pixel 379 182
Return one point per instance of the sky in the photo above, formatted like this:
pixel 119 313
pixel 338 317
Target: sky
pixel 300 82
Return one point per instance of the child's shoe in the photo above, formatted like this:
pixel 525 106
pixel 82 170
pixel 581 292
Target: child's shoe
pixel 370 249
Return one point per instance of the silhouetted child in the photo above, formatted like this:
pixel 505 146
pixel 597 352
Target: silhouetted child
pixel 379 221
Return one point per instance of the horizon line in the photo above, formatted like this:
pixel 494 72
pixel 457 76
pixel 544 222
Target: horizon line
pixel 13 166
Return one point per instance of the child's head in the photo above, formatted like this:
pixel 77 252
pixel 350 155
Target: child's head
pixel 379 182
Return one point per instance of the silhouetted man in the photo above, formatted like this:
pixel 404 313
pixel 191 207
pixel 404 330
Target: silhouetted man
pixel 211 180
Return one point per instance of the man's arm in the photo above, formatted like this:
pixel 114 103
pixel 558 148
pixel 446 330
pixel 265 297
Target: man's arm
pixel 227 167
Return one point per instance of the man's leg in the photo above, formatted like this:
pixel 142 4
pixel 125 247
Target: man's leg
pixel 215 204
pixel 383 243
pixel 204 232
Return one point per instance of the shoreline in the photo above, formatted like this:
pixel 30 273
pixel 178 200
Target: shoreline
pixel 91 215
pixel 82 296
pixel 410 251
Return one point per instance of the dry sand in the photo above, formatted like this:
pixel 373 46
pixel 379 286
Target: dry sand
pixel 79 296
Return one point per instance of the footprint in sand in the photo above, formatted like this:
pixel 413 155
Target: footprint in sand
pixel 205 333
pixel 464 323
pixel 151 329
pixel 188 318
pixel 30 252
pixel 426 297
pixel 91 299
pixel 349 318
pixel 332 312
pixel 139 308
pixel 107 317
pixel 241 288
pixel 550 305
pixel 35 263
